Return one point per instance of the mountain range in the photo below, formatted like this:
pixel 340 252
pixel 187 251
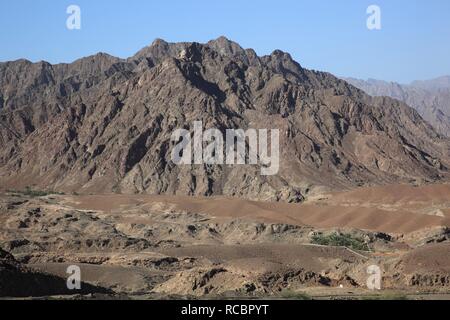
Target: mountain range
pixel 104 124
pixel 430 98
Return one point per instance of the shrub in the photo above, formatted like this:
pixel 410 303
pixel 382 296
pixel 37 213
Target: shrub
pixel 293 295
pixel 35 193
pixel 341 240
pixel 387 296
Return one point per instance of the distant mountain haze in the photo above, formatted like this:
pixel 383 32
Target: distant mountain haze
pixel 430 98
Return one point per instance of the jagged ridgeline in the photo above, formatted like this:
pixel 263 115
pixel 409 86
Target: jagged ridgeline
pixel 103 124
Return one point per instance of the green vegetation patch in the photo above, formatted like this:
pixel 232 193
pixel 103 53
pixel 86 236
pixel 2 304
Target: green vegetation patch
pixel 387 296
pixel 340 240
pixel 34 193
pixel 294 295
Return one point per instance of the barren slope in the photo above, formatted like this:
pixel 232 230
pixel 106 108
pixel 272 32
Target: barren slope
pixel 103 124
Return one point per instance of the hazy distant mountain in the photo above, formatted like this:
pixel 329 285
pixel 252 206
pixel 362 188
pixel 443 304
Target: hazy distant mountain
pixel 104 124
pixel 434 84
pixel 431 98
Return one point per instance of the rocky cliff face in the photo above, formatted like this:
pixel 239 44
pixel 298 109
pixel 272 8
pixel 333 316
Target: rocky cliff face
pixel 430 98
pixel 103 124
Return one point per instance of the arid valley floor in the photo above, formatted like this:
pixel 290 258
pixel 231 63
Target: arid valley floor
pixel 147 247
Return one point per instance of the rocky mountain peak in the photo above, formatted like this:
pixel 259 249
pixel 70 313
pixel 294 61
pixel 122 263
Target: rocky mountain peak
pixel 226 47
pixel 105 124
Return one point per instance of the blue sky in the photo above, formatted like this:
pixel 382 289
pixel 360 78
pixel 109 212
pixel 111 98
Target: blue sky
pixel 328 35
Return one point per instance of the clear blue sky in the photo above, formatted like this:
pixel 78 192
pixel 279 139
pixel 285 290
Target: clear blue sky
pixel 329 35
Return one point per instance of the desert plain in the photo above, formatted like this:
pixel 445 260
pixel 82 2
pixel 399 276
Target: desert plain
pixel 153 247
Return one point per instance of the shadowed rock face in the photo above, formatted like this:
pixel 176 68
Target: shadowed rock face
pixel 16 280
pixel 103 124
pixel 430 98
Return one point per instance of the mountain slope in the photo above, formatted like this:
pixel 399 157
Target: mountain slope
pixel 103 124
pixel 430 98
